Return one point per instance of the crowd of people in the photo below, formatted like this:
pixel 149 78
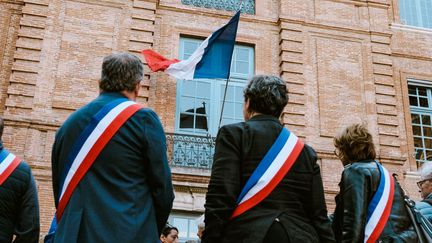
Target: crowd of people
pixel 112 181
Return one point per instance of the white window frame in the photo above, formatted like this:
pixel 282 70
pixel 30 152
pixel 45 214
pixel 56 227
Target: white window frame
pixel 421 111
pixel 213 108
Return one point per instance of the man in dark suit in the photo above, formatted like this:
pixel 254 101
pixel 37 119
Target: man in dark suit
pixel 19 205
pixel 295 210
pixel 127 194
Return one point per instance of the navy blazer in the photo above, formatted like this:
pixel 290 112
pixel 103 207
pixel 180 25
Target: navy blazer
pixel 127 194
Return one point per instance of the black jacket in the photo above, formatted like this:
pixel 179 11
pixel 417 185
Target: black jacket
pixel 358 185
pixel 19 207
pixel 425 207
pixel 298 200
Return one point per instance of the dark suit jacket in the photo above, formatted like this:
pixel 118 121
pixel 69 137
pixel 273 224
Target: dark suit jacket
pixel 298 201
pixel 19 206
pixel 127 194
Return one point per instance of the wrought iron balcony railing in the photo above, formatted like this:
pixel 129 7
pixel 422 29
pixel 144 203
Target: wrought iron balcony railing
pixel 248 6
pixel 190 150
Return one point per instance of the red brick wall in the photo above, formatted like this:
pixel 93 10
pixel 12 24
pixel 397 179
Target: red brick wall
pixel 343 61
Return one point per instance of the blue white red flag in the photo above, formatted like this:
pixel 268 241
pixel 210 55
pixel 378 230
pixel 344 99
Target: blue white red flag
pixel 212 59
pixel 270 171
pixel 8 163
pixel 380 206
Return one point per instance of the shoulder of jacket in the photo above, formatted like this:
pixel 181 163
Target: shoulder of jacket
pixel 424 206
pixel 359 168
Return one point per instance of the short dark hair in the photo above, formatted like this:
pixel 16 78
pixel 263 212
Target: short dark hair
pixel 121 72
pixel 167 230
pixel 355 144
pixel 266 94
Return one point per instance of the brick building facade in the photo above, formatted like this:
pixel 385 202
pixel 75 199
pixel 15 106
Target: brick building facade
pixel 344 61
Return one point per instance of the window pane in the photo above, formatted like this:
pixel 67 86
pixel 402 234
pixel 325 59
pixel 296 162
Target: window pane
pixel 203 90
pixel 229 93
pixel 242 55
pixel 412 90
pixel 190 47
pixel 242 67
pixel 422 91
pixel 419 154
pixel 182 226
pixel 229 110
pixel 426 13
pixel 193 229
pixel 426 120
pixel 428 143
pixel 188 88
pixel 415 118
pixel 187 104
pixel 418 143
pixel 413 101
pixel 416 130
pixel 424 102
pixel 429 155
pixel 427 131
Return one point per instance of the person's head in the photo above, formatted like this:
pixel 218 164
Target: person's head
pixel 201 227
pixel 354 144
pixel 169 234
pixel 121 72
pixel 425 182
pixel 265 95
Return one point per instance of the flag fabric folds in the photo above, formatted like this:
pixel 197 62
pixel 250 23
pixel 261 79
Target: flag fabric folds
pixel 212 59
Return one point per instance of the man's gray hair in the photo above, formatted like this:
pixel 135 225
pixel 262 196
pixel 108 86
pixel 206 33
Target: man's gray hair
pixel 266 94
pixel 426 171
pixel 121 72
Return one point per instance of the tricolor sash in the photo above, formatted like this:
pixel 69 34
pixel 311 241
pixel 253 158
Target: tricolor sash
pixel 90 143
pixel 8 163
pixel 379 208
pixel 270 171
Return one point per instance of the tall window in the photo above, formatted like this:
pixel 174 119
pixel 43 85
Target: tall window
pixel 420 97
pixel 416 12
pixel 199 101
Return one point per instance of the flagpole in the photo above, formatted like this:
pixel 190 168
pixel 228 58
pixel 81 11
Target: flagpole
pixel 227 81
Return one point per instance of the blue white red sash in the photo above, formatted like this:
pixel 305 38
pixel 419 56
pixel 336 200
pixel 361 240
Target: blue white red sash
pixel 270 171
pixel 8 163
pixel 92 140
pixel 380 206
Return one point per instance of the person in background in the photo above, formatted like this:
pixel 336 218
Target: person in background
pixel 360 180
pixel 169 234
pixel 425 189
pixel 294 209
pixel 19 205
pixel 126 195
pixel 201 227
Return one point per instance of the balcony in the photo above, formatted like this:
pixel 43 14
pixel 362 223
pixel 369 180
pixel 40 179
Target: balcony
pixel 248 6
pixel 190 151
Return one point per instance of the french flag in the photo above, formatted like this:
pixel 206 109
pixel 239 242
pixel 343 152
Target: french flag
pixel 212 59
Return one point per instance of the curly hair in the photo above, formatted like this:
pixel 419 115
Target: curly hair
pixel 267 95
pixel 121 72
pixel 355 143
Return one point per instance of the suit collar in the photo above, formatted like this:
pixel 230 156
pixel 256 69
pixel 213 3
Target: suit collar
pixel 263 117
pixel 110 95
